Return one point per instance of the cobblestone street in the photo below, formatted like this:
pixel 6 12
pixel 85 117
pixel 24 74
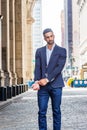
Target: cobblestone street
pixel 21 114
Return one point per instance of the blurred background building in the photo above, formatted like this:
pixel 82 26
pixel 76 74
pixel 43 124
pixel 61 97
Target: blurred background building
pixel 83 37
pixel 68 37
pixel 37 25
pixel 37 28
pixel 62 29
pixel 75 38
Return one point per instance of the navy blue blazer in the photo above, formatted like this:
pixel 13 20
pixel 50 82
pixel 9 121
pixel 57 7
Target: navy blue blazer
pixel 52 71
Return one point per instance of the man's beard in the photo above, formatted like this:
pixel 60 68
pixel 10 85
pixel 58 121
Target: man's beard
pixel 51 42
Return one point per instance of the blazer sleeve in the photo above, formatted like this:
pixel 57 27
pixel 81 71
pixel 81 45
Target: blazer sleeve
pixel 37 71
pixel 58 69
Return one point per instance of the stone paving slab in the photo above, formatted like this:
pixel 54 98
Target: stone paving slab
pixel 21 113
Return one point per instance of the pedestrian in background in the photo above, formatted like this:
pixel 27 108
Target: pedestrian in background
pixel 49 63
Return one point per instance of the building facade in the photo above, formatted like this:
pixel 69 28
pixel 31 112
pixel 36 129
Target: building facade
pixel 62 28
pixel 76 39
pixel 15 41
pixel 83 37
pixel 37 27
pixel 68 36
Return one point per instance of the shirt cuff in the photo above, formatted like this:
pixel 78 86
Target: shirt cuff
pixel 47 80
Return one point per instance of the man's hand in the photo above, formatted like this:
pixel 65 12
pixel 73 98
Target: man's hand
pixel 36 86
pixel 43 82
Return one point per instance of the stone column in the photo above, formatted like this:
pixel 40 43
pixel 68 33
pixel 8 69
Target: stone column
pixel 12 41
pixel 27 46
pixel 9 74
pixel 6 43
pixel 1 71
pixel 18 41
pixel 23 38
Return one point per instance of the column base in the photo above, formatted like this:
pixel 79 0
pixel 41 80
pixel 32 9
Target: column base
pixel 7 78
pixel 2 78
pixel 11 78
pixel 14 78
pixel 20 80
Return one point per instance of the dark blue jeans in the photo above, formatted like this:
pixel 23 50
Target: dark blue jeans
pixel 43 97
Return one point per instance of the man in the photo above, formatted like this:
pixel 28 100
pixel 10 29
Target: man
pixel 49 64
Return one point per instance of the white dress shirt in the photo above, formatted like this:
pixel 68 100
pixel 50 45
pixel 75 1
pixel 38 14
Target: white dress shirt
pixel 49 52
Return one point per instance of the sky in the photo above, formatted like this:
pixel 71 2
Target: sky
pixel 51 11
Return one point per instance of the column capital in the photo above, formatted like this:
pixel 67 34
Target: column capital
pixel 30 20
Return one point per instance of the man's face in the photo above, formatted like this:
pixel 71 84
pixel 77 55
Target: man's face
pixel 49 38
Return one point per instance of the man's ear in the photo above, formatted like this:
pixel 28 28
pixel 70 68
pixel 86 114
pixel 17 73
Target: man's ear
pixel 54 36
pixel 44 38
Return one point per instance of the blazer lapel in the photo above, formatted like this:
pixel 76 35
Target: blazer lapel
pixel 52 55
pixel 44 55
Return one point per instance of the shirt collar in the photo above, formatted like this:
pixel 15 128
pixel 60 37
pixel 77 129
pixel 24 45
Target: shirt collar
pixel 52 47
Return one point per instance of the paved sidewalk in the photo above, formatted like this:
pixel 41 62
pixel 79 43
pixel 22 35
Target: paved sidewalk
pixel 21 113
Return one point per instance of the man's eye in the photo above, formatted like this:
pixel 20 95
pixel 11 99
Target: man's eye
pixel 47 37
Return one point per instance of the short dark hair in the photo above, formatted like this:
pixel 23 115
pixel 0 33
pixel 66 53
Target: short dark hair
pixel 47 30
